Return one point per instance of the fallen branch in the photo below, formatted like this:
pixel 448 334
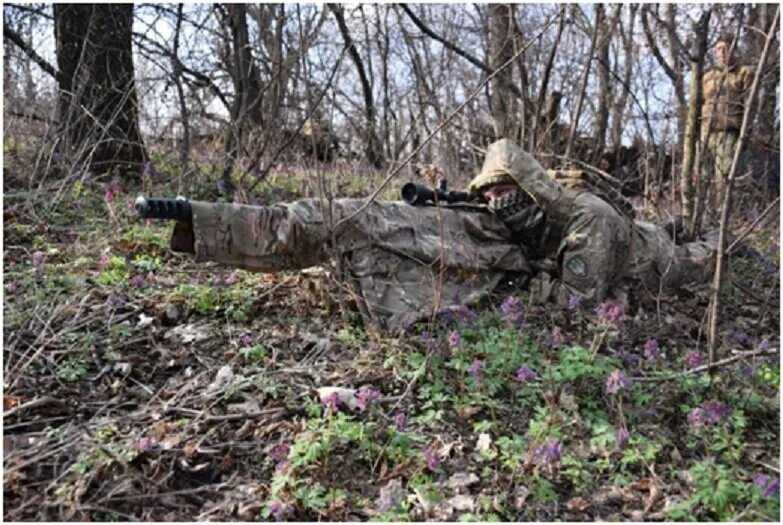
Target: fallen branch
pixel 703 368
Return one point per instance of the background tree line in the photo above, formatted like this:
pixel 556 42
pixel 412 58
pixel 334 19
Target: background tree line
pixel 606 85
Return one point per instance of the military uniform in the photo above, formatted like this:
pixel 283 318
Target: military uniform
pixel 403 262
pixel 589 245
pixel 725 90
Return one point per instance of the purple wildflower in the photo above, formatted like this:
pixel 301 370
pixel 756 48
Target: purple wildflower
pixel 574 301
pixel 557 337
pixel 279 452
pixel 114 301
pixel 621 438
pixel 431 457
pixel 137 280
pixel 231 278
pixel 459 313
pixel 693 359
pixel 455 340
pixel 739 336
pixel 610 313
pixel 567 389
pixel 38 260
pixel 400 421
pixel 390 496
pixel 550 452
pixel 765 345
pixel 13 287
pixel 525 374
pixel 769 487
pixel 475 369
pixel 150 172
pixel 616 382
pixel 427 339
pixel 513 309
pixel 280 510
pixel 247 339
pixel 331 403
pixel 365 396
pixel 463 313
pixel 748 370
pixel 714 411
pixel 144 444
pixel 651 352
pixel 696 418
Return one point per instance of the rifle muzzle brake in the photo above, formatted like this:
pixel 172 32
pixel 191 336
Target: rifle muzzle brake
pixel 178 209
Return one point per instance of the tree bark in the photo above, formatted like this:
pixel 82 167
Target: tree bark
pixel 372 148
pixel 618 109
pixel 604 86
pixel 97 104
pixel 501 49
pixel 693 122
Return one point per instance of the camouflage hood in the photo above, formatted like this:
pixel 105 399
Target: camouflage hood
pixel 406 262
pixel 507 162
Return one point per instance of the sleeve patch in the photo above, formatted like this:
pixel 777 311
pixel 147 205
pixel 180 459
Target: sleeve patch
pixel 577 266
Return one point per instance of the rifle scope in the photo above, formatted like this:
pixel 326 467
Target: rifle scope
pixel 417 194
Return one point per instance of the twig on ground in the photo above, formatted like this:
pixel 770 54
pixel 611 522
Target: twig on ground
pixel 714 366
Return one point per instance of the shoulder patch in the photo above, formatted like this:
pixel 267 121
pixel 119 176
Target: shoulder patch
pixel 577 266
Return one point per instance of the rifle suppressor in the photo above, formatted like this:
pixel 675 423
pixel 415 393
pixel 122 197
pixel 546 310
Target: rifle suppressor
pixel 177 209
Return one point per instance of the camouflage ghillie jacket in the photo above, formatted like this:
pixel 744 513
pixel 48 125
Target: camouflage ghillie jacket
pixel 404 262
pixel 589 245
pixel 728 101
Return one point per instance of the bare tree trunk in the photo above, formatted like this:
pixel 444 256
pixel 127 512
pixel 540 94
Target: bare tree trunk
pixel 246 108
pixel 501 48
pixel 679 85
pixel 618 109
pixel 372 148
pixel 604 86
pixel 717 282
pixel 599 14
pixel 545 79
pixel 176 67
pixel 693 123
pixel 98 109
pixel 761 18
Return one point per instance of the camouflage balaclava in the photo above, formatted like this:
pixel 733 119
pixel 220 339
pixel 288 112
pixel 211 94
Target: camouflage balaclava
pixel 507 163
pixel 522 211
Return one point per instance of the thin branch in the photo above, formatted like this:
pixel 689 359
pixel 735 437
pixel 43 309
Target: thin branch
pixel 14 37
pixel 743 138
pixel 453 47
pixel 442 125
pixel 749 229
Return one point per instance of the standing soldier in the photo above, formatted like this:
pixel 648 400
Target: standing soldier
pixel 725 89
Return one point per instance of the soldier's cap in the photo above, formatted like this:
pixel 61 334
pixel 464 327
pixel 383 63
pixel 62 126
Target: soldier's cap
pixel 507 163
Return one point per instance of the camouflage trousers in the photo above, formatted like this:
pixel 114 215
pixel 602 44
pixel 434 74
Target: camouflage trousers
pixel 717 156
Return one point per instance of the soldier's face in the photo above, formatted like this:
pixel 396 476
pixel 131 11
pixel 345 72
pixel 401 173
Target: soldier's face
pixel 496 191
pixel 721 50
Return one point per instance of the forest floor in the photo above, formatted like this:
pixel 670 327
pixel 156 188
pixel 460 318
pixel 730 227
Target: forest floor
pixel 139 385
